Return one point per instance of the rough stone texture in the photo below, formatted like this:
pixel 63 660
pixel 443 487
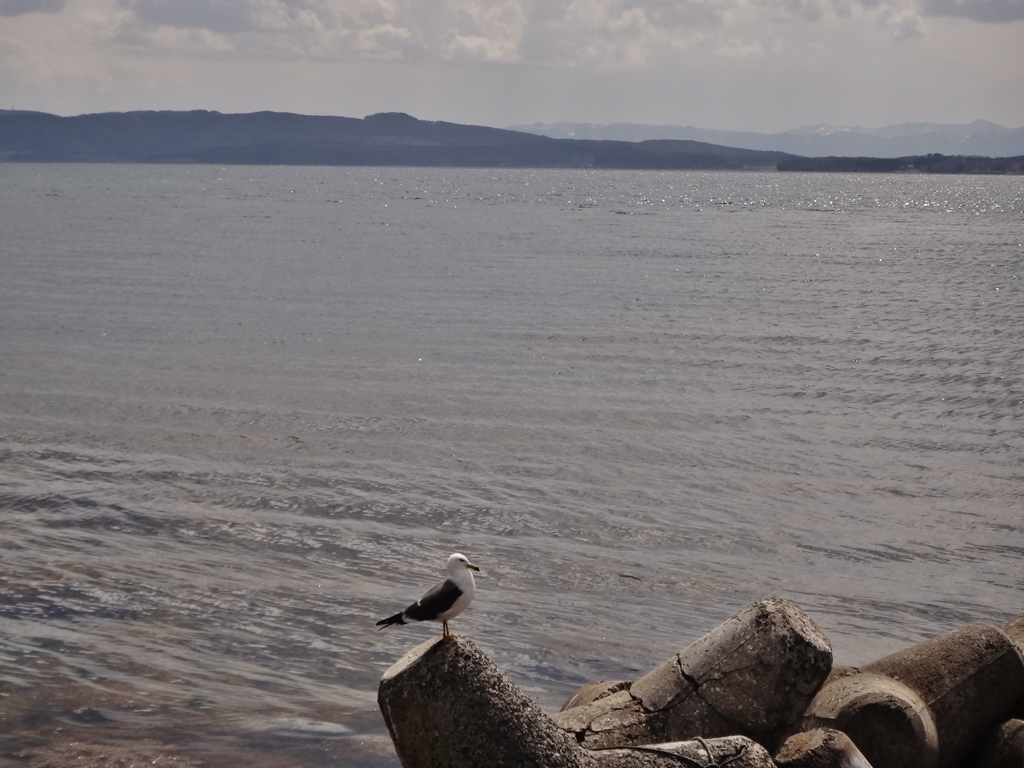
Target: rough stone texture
pixel 1014 629
pixel 618 720
pixel 820 748
pixel 754 675
pixel 970 679
pixel 928 705
pixel 889 723
pixel 732 751
pixel 446 705
pixel 593 691
pixel 1004 748
pixel 840 670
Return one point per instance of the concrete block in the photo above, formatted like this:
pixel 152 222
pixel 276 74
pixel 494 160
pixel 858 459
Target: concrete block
pixel 753 676
pixel 1014 630
pixel 1004 747
pixel 728 752
pixel 970 679
pixel 820 748
pixel 890 724
pixel 593 691
pixel 446 705
pixel 928 706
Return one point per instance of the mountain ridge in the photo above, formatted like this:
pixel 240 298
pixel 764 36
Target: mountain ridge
pixel 980 137
pixel 396 139
pixel 390 138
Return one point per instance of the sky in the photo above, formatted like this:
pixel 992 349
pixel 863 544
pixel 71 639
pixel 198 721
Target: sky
pixel 758 65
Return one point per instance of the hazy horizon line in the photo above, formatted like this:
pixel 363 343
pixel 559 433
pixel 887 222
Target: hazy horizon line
pixel 516 126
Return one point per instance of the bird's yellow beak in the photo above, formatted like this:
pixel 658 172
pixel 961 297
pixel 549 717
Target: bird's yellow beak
pixel 472 567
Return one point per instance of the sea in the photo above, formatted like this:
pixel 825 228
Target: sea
pixel 246 412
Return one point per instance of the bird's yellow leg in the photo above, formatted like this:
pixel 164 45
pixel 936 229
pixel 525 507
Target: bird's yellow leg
pixel 444 629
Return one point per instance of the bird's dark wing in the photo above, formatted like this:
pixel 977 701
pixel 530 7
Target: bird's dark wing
pixel 434 603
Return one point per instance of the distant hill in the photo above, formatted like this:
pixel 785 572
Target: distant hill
pixel 390 138
pixel 906 139
pixel 934 163
pixel 278 138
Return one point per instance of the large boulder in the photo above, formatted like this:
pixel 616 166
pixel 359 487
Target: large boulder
pixel 928 706
pixel 730 752
pixel 447 705
pixel 1004 747
pixel 753 676
pixel 820 748
pixel 890 724
pixel 1014 630
pixel 591 692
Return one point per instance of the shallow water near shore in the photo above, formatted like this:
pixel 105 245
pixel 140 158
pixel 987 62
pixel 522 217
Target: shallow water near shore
pixel 245 412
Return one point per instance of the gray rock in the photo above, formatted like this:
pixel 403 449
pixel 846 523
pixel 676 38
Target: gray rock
pixel 754 676
pixel 447 705
pixel 840 670
pixel 889 723
pixel 928 705
pixel 1014 629
pixel 731 751
pixel 970 678
pixel 593 691
pixel 820 748
pixel 618 720
pixel 1005 747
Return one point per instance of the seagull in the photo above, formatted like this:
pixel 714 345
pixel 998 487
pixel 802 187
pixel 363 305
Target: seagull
pixel 443 602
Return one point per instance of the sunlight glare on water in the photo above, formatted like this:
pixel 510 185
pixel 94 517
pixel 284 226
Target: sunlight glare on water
pixel 246 412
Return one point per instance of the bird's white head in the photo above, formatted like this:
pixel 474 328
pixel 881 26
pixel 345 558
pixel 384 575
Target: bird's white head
pixel 459 564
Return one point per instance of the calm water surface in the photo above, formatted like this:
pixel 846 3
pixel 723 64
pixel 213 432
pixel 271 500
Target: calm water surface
pixel 245 412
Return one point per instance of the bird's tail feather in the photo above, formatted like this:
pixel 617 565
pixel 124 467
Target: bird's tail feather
pixel 396 619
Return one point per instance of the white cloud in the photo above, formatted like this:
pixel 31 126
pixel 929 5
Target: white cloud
pixel 383 40
pixel 902 23
pixel 224 16
pixel 740 49
pixel 196 41
pixel 604 34
pixel 572 58
pixel 68 47
pixel 610 34
pixel 496 30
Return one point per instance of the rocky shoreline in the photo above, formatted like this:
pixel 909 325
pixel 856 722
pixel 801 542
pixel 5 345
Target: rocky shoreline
pixel 759 690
